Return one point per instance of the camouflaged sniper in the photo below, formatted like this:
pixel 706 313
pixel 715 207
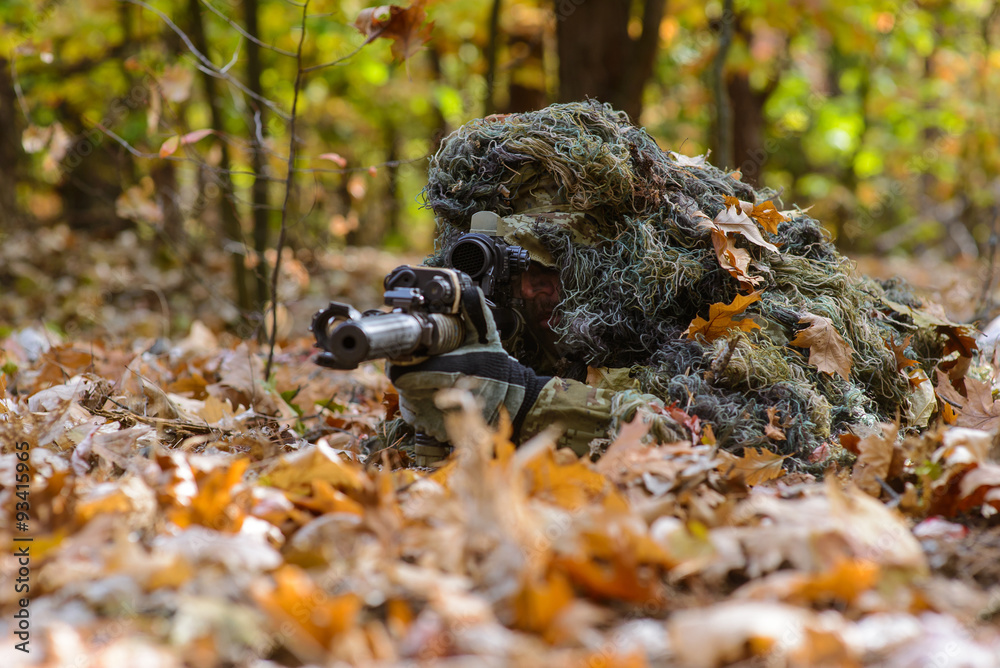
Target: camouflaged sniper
pixel 589 193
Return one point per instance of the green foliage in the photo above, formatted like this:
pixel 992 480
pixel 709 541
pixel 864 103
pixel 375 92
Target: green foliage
pixel 872 112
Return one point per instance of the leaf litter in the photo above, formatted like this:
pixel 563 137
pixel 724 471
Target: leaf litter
pixel 186 513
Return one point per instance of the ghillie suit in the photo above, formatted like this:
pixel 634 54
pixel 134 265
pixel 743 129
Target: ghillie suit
pixel 626 225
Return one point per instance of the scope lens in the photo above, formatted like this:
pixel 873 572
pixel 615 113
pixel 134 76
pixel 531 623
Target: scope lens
pixel 471 256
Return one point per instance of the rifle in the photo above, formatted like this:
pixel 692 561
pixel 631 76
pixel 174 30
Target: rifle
pixel 427 302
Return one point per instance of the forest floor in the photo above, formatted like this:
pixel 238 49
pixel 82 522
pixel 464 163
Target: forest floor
pixel 180 509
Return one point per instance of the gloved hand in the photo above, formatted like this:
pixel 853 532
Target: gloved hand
pixel 495 378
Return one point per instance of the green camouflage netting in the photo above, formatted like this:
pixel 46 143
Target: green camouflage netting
pixel 630 294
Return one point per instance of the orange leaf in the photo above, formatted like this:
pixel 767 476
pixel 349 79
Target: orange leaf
pixel 170 146
pixel 734 260
pixel 733 220
pixel 757 466
pixel 772 429
pixel 899 350
pixel 845 581
pixel 312 616
pixel 850 443
pixel 538 603
pixel 828 351
pixel 768 216
pixel 405 26
pixel 720 319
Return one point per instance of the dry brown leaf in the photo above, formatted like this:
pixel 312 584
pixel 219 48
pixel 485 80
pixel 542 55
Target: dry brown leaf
pixel 874 459
pixel 756 466
pixel 765 214
pixel 720 319
pixel 732 220
pixel 773 429
pixel 405 26
pixel 828 351
pixel 976 410
pixel 850 443
pixel 298 471
pixel 899 351
pixel 734 260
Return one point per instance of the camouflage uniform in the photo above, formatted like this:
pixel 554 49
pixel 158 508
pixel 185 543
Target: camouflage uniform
pixel 589 413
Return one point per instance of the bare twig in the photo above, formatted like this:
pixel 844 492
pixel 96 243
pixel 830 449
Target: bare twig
pixel 236 26
pixel 209 66
pixel 289 183
pixel 17 87
pixel 338 61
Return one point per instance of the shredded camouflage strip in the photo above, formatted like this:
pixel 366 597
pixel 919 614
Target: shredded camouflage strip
pixel 638 267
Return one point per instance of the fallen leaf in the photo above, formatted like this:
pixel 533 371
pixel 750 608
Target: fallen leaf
pixel 720 319
pixel 772 429
pixel 732 220
pixel 756 466
pixel 845 582
pixel 899 351
pixel 734 260
pixel 689 161
pixel 765 214
pixel 538 603
pixel 828 351
pixel 976 410
pixel 874 458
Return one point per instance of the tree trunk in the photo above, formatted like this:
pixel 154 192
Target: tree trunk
pixel 748 123
pixel 598 58
pixel 258 160
pixel 489 101
pixel 11 154
pixel 231 228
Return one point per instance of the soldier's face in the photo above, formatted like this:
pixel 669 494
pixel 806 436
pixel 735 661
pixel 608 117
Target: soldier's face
pixel 541 291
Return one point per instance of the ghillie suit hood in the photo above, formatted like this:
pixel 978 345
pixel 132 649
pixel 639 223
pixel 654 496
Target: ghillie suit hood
pixel 625 223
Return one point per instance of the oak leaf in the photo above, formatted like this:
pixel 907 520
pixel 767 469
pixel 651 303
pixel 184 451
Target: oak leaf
pixel 720 319
pixel 899 351
pixel 756 466
pixel 732 220
pixel 828 351
pixel 405 26
pixel 734 260
pixel 765 213
pixel 976 410
pixel 773 428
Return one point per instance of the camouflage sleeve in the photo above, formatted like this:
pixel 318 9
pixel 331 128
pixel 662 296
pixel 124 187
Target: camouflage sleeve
pixel 583 411
pixel 592 416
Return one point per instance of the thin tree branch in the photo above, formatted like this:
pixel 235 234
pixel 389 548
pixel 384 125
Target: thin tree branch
pixel 236 26
pixel 18 91
pixel 338 61
pixel 289 183
pixel 209 66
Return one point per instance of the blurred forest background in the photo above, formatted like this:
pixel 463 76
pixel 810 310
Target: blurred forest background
pixel 153 172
